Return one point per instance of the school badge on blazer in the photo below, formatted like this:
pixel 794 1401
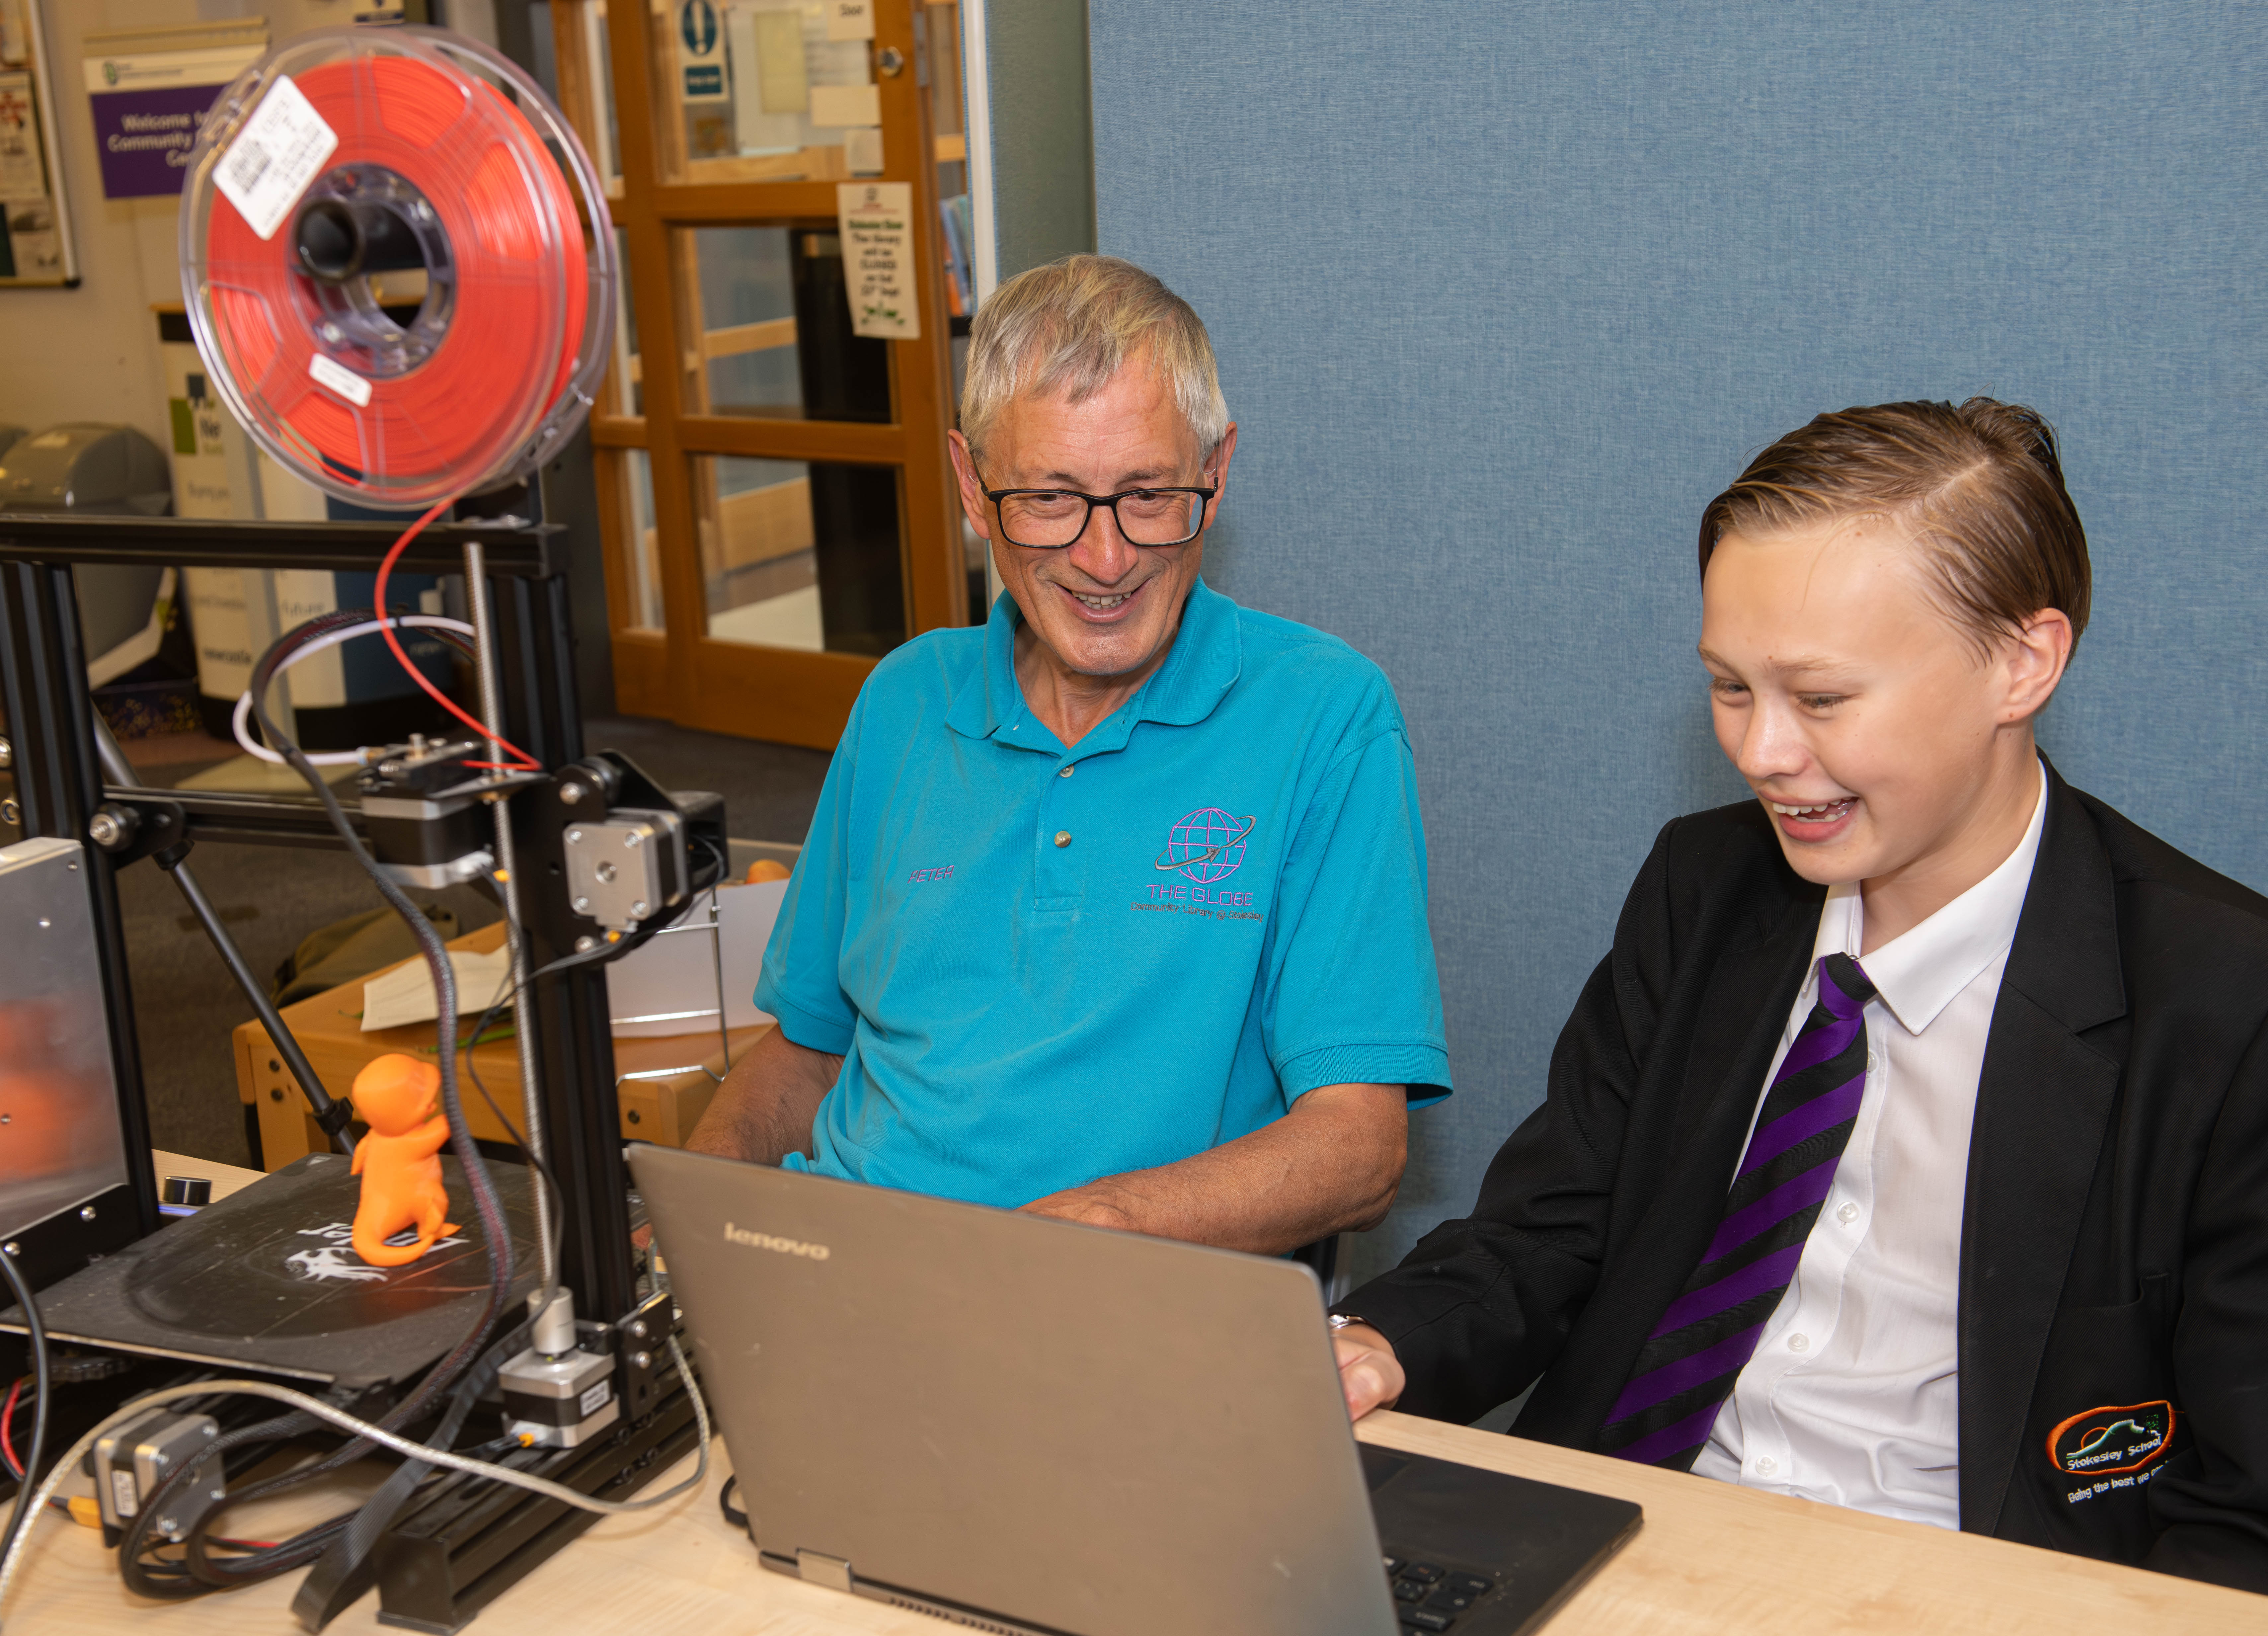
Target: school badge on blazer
pixel 2116 1440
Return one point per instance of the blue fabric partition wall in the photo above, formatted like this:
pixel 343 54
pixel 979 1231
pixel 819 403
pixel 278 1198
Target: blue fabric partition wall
pixel 1504 292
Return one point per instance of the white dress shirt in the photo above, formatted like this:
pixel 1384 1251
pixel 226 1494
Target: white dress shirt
pixel 1852 1397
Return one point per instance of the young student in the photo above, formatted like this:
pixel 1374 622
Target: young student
pixel 1910 1149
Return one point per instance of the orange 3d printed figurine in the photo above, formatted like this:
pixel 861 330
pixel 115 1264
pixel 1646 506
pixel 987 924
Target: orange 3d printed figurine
pixel 398 1160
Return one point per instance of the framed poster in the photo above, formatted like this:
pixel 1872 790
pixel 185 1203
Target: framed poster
pixel 148 90
pixel 35 240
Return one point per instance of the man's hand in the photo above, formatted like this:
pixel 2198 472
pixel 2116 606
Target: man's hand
pixel 1092 1204
pixel 1369 1373
pixel 1331 1165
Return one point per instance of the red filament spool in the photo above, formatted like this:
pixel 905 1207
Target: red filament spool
pixel 425 313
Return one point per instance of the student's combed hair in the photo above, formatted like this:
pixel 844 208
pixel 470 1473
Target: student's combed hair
pixel 1979 488
pixel 1067 328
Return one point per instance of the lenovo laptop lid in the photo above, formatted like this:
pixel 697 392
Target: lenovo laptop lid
pixel 1030 1425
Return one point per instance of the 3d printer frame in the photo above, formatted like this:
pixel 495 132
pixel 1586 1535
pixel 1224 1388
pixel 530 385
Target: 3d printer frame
pixel 60 788
pixel 61 792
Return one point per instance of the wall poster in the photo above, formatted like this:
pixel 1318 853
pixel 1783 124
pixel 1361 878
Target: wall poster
pixel 35 241
pixel 148 90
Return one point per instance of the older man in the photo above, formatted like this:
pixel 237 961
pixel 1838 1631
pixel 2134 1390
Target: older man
pixel 1115 909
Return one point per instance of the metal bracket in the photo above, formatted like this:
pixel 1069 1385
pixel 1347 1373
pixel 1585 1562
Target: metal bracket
pixel 132 829
pixel 642 1341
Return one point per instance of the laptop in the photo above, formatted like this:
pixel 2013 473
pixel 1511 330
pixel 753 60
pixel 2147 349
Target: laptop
pixel 1031 1426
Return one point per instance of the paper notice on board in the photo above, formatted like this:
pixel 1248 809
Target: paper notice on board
pixel 841 106
pixel 849 19
pixel 148 105
pixel 700 47
pixel 877 258
pixel 21 174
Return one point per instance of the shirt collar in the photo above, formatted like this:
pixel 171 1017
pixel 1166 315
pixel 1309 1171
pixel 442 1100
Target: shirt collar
pixel 1917 973
pixel 1203 664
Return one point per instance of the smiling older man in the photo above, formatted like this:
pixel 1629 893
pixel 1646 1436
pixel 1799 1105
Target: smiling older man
pixel 1113 908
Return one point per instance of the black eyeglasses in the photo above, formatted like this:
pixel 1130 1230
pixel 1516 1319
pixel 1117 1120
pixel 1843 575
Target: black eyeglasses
pixel 1050 519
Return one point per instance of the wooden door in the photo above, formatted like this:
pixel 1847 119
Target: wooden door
pixel 778 505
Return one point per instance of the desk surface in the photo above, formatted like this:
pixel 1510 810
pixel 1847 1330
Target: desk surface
pixel 1710 1557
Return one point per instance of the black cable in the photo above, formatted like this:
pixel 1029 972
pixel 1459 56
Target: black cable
pixel 487 1202
pixel 200 1573
pixel 598 955
pixel 166 1579
pixel 348 1565
pixel 22 1509
pixel 8 1436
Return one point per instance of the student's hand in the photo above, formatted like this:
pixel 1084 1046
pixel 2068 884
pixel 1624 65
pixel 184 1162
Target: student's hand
pixel 1369 1373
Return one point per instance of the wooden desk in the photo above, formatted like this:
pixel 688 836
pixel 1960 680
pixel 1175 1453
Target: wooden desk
pixel 328 1027
pixel 1711 1558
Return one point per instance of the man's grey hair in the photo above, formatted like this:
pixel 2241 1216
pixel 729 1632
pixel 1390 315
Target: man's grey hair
pixel 1066 328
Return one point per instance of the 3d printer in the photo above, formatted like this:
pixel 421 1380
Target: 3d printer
pixel 538 1311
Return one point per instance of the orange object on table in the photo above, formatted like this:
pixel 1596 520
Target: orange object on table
pixel 399 1159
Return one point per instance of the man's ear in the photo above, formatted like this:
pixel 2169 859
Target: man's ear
pixel 2033 663
pixel 973 502
pixel 1216 472
pixel 1223 453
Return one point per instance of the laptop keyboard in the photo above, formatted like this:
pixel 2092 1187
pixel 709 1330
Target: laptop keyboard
pixel 1430 1597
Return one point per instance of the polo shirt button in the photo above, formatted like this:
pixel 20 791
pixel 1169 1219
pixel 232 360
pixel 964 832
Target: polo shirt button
pixel 1062 837
pixel 1067 771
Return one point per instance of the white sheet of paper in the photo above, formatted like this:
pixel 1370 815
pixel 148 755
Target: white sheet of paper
pixel 275 157
pixel 405 994
pixel 849 19
pixel 877 259
pixel 838 107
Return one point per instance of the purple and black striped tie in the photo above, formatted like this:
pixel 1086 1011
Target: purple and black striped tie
pixel 1688 1365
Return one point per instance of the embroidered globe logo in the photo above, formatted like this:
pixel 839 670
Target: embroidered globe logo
pixel 1206 845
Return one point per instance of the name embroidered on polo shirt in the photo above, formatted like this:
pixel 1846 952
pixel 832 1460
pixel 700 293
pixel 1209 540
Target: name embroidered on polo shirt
pixel 943 871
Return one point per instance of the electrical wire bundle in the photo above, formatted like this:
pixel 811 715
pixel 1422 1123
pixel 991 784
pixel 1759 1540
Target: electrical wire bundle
pixel 451 1388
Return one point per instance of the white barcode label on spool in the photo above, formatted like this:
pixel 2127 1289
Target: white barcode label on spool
pixel 340 380
pixel 273 158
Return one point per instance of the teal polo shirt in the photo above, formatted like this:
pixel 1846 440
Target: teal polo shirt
pixel 1042 966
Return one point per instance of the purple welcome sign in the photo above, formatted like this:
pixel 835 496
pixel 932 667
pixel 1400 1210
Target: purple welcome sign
pixel 147 108
pixel 144 137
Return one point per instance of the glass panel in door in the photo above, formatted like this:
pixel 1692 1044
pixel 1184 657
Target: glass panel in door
pixel 801 555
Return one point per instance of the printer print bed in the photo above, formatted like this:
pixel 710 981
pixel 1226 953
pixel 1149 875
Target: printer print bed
pixel 266 1279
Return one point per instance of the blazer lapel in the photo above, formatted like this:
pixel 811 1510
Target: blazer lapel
pixel 1742 1011
pixel 1678 1185
pixel 2044 1100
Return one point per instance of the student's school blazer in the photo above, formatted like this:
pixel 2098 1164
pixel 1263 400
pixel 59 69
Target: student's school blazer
pixel 2113 1327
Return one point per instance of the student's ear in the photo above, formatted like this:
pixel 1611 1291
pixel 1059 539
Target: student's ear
pixel 2033 663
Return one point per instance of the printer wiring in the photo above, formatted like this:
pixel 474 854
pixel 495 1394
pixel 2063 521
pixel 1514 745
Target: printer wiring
pixel 342 1543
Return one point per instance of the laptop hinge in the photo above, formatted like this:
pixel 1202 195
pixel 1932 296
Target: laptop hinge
pixel 832 1572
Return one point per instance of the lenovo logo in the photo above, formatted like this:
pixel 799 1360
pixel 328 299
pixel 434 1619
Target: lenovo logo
pixel 780 1246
